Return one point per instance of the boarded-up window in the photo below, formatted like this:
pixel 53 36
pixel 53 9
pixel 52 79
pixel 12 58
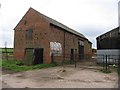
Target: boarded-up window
pixel 29 34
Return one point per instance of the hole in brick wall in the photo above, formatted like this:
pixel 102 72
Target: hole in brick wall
pixel 20 29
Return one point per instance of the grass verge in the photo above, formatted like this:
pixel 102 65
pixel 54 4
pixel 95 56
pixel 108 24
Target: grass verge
pixel 16 66
pixel 9 50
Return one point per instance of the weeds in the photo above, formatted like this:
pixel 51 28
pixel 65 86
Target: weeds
pixel 118 70
pixel 17 66
pixel 106 71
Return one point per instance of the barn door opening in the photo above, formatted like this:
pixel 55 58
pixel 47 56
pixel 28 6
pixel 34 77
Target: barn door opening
pixel 81 50
pixel 29 54
pixel 38 56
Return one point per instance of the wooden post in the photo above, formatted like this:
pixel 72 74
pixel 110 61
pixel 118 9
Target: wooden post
pixel 75 62
pixel 75 57
pixel 6 50
pixel 52 58
pixel 103 62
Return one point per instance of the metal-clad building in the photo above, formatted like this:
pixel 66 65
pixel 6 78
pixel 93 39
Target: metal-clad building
pixel 108 44
pixel 109 40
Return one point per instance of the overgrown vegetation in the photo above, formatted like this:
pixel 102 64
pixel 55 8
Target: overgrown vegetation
pixel 66 62
pixel 106 71
pixel 9 50
pixel 118 70
pixel 17 66
pixel 110 68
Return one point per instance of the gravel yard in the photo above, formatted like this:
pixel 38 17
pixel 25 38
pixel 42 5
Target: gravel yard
pixel 62 77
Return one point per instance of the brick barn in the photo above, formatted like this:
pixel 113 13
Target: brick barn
pixel 38 37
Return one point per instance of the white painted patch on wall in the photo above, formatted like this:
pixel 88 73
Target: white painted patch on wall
pixel 55 48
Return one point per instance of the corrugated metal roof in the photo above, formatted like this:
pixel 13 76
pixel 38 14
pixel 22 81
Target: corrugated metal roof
pixel 54 22
pixel 113 30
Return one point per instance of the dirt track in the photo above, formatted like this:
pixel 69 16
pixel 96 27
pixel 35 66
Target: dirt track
pixel 62 77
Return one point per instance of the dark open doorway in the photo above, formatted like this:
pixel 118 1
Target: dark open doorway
pixel 72 56
pixel 38 56
pixel 80 50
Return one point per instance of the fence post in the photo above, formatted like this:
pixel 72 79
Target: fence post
pixel 103 62
pixel 119 71
pixel 6 51
pixel 106 63
pixel 75 61
pixel 52 58
pixel 75 57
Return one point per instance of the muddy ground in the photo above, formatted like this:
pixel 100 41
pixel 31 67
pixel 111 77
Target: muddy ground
pixel 86 75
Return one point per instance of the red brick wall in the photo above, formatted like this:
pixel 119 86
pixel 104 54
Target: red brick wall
pixel 88 49
pixel 71 42
pixel 40 35
pixel 57 35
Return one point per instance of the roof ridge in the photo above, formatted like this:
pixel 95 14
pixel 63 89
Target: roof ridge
pixel 53 21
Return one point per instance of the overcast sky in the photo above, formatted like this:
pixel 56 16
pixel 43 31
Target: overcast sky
pixel 89 17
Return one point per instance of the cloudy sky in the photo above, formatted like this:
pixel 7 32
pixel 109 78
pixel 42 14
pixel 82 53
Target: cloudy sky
pixel 89 17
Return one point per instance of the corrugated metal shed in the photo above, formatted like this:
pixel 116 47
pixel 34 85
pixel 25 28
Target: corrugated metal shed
pixel 109 40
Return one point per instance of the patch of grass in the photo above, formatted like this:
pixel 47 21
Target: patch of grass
pixel 9 50
pixel 15 65
pixel 106 71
